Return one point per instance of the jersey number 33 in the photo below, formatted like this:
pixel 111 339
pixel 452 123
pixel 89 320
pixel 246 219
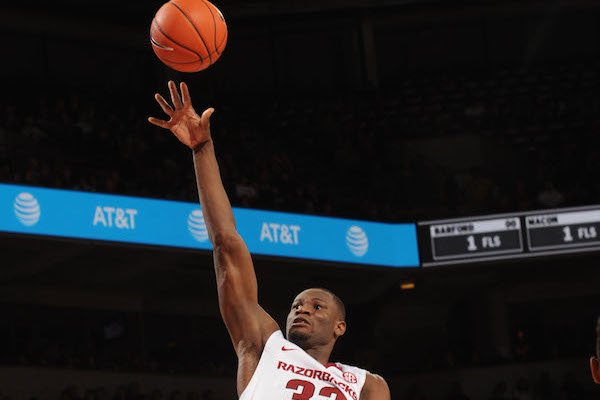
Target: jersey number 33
pixel 304 390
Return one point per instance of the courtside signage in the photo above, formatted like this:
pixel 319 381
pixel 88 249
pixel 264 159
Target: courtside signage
pixel 72 214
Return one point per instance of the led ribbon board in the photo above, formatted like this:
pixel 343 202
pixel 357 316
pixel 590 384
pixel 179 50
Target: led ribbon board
pixel 64 213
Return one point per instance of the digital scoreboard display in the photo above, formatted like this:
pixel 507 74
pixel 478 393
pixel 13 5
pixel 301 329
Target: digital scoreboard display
pixel 563 230
pixel 476 238
pixel 518 235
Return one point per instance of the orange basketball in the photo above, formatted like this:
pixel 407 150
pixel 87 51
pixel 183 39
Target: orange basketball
pixel 188 35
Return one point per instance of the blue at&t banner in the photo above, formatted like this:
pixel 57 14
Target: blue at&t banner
pixel 64 213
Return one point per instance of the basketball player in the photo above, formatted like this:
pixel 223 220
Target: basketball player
pixel 595 361
pixel 270 367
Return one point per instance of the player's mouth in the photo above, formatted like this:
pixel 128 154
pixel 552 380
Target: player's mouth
pixel 299 321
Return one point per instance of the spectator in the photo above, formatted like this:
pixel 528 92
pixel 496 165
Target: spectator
pixel 456 392
pixel 545 388
pixel 571 388
pixel 500 392
pixel 522 348
pixel 522 390
pixel 549 196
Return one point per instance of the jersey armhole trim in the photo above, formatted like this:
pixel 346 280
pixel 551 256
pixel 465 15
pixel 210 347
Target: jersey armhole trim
pixel 276 334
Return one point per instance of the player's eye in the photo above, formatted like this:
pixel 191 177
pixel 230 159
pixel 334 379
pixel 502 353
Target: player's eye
pixel 295 306
pixel 318 307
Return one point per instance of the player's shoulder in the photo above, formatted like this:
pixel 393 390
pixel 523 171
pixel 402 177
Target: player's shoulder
pixel 375 379
pixel 375 388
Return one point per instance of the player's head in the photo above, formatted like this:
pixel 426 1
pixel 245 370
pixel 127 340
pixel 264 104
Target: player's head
pixel 317 317
pixel 595 361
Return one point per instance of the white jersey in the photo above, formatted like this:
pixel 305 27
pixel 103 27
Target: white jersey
pixel 286 372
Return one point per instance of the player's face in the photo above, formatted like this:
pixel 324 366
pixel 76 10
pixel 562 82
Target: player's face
pixel 314 319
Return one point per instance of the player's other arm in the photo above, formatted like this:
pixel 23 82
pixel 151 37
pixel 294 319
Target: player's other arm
pixel 375 388
pixel 595 360
pixel 248 324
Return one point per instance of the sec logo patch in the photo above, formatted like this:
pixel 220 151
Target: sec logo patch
pixel 350 377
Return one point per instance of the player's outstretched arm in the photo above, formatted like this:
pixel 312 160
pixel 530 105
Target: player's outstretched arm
pixel 248 324
pixel 375 388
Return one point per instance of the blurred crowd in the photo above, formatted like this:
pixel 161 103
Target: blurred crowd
pixel 528 141
pixel 544 387
pixel 35 336
pixel 131 391
pixel 457 345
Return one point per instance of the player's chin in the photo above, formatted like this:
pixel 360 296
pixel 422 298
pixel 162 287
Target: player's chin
pixel 299 327
pixel 298 335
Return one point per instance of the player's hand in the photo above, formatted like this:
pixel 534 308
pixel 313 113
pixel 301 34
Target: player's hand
pixel 191 129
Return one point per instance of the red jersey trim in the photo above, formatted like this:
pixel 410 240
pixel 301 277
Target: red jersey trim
pixel 332 365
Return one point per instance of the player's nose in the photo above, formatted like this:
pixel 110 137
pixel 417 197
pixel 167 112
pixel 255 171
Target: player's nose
pixel 302 310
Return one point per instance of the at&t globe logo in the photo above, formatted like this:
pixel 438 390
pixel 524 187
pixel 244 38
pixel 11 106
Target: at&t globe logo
pixel 27 209
pixel 196 226
pixel 357 241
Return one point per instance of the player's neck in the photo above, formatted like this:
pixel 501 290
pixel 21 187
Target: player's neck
pixel 320 353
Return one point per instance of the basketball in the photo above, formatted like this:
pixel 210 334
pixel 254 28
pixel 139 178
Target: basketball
pixel 188 35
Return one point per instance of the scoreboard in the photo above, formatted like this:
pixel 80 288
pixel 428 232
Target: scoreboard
pixel 494 237
pixel 563 230
pixel 476 238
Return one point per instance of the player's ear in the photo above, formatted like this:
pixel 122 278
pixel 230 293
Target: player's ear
pixel 595 367
pixel 340 329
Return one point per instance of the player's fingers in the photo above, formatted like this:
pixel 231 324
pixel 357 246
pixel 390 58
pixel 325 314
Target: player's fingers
pixel 163 104
pixel 159 122
pixel 174 95
pixel 205 118
pixel 185 94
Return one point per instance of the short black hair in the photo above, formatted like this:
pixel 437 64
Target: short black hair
pixel 337 300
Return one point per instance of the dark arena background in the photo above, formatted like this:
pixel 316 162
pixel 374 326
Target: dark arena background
pixel 474 125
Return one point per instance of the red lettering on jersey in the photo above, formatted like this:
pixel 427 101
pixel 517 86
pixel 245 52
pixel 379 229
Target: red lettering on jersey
pixel 328 391
pixel 323 376
pixel 349 390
